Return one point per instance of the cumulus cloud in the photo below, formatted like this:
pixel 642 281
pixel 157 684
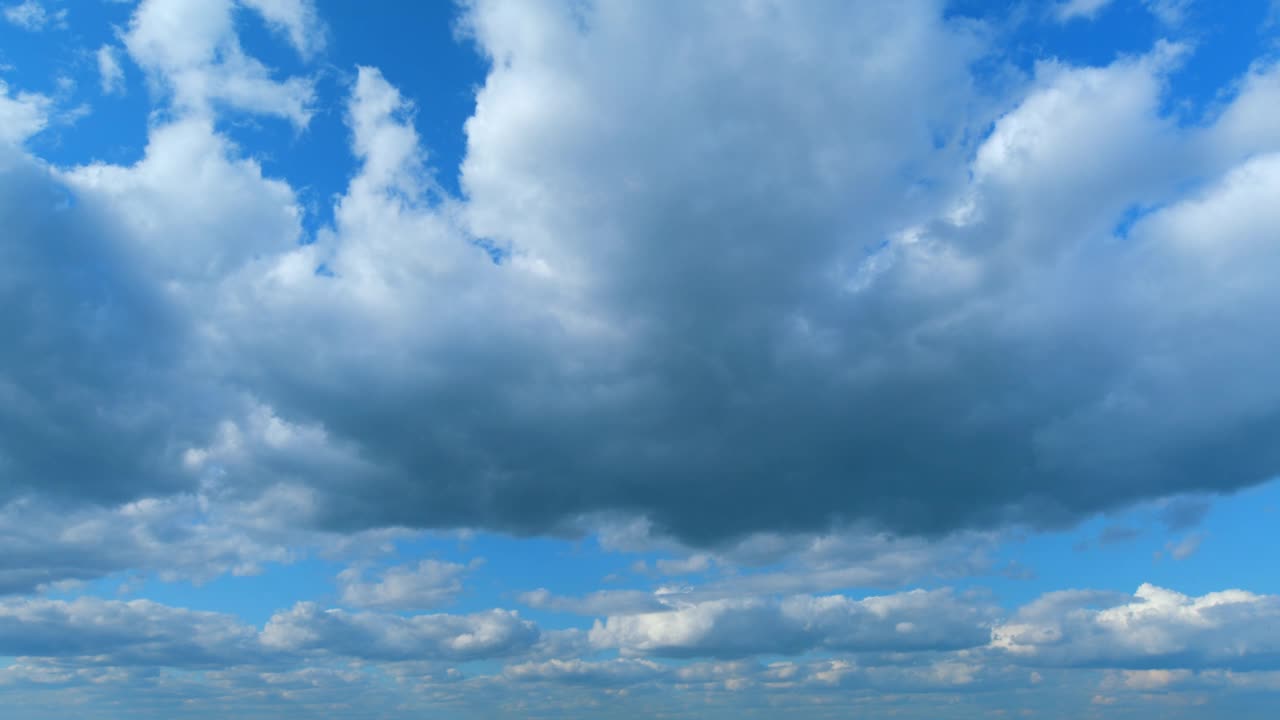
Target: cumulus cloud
pixel 736 627
pixel 413 587
pixel 113 633
pixel 608 673
pixel 191 50
pixel 972 309
pixel 116 633
pixel 1155 629
pixel 492 633
pixel 773 306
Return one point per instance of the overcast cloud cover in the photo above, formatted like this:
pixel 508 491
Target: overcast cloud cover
pixel 616 359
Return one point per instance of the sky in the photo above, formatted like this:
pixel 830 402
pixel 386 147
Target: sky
pixel 606 359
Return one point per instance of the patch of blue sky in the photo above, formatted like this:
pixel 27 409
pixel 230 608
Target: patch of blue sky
pixel 1224 39
pixel 61 63
pixel 418 51
pixel 1077 558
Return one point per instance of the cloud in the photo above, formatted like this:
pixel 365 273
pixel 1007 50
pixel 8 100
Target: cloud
pixel 737 295
pixel 488 634
pixel 608 673
pixel 912 621
pixel 109 71
pixel 89 631
pixel 194 537
pixel 115 633
pixel 1155 629
pixel 1068 10
pixel 190 49
pixel 296 19
pixel 32 15
pixel 1184 513
pixel 1184 548
pixel 428 584
pixel 1169 12
pixel 22 115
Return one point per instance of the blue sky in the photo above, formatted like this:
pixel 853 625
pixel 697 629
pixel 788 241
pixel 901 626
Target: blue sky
pixel 605 359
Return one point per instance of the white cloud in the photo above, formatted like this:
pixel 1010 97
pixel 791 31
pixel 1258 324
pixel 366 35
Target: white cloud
pixel 22 114
pixel 610 673
pixel 911 621
pixel 1154 629
pixel 110 74
pixel 297 19
pixel 428 584
pixel 1068 10
pixel 190 48
pixel 114 633
pixel 492 633
pixel 32 15
pixel 192 184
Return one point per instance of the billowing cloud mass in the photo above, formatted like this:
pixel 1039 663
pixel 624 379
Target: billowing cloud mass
pixel 899 316
pixel 743 347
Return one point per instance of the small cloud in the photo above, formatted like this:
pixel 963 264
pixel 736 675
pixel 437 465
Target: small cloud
pixel 31 15
pixel 1069 10
pixel 1169 12
pixel 109 71
pixel 1186 547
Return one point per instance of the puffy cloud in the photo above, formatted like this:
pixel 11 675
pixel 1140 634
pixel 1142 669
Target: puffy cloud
pixel 414 587
pixel 738 293
pixel 493 633
pixel 190 49
pixel 22 115
pixel 912 621
pixel 619 383
pixel 1155 629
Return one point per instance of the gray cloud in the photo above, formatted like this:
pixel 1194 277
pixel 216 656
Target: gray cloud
pixel 766 290
pixel 117 633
